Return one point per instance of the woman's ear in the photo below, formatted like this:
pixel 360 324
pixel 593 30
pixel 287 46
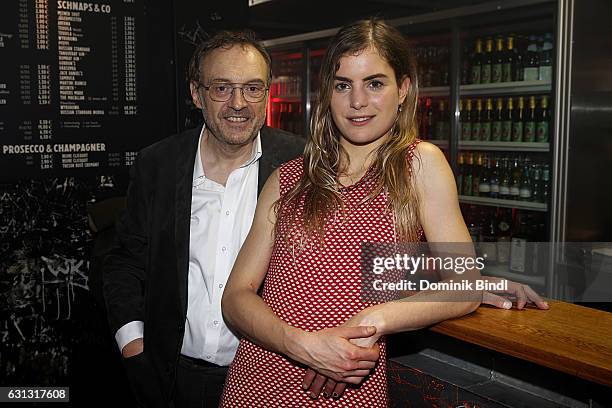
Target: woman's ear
pixel 403 89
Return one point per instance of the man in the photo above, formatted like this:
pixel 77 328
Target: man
pixel 190 205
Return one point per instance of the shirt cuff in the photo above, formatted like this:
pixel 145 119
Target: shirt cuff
pixel 128 332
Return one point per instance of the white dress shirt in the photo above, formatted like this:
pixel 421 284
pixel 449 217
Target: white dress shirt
pixel 221 217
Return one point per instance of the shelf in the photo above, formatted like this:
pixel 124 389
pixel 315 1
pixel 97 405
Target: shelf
pixel 504 146
pixel 507 88
pixel 442 144
pixel 498 202
pixel 501 271
pixel 434 91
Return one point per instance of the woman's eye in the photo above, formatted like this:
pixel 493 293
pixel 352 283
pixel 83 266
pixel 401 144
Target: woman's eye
pixel 341 87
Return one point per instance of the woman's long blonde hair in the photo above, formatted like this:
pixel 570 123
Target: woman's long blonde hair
pixel 318 189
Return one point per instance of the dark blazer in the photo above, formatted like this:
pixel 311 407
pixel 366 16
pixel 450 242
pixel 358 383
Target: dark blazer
pixel 145 274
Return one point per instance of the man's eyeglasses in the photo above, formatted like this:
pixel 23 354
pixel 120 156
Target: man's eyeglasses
pixel 223 91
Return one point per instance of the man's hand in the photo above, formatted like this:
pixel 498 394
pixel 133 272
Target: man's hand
pixel 522 293
pixel 331 353
pixel 133 348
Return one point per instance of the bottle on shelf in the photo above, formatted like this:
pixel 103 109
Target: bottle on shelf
pixel 486 121
pixel 517 121
pixel 536 187
pixel 465 67
pixel 441 123
pixel 498 60
pixel 487 62
pixel 473 226
pixel 519 59
pixel 545 69
pixel 484 182
pixel 509 61
pixel 466 120
pixel 476 118
pixel 504 224
pixel 530 121
pixel 488 236
pixel 467 175
pixel 532 60
pixel 507 116
pixel 545 183
pixel 494 179
pixel 476 62
pixel 429 118
pixel 504 180
pixel 496 125
pixel 518 245
pixel 476 174
pixel 542 121
pixel 515 179
pixel 461 171
pixel 526 187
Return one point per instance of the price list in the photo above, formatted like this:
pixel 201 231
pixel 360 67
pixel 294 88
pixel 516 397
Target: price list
pixel 70 85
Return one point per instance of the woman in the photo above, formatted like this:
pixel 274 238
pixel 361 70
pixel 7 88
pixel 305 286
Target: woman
pixel 364 177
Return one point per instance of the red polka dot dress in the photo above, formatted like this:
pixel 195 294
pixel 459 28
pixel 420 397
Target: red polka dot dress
pixel 314 287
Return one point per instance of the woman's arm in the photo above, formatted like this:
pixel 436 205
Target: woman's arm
pixel 328 351
pixel 442 222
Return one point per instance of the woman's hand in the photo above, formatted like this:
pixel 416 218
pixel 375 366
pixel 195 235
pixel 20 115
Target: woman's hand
pixel 315 382
pixel 332 353
pixel 523 294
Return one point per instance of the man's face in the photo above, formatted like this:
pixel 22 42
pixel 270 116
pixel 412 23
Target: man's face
pixel 235 121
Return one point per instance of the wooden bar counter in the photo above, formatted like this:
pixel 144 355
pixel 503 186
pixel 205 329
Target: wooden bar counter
pixel 569 338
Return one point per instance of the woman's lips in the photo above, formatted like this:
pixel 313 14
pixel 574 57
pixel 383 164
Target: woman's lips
pixel 360 120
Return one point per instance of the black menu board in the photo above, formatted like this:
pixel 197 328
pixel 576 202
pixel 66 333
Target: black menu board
pixel 72 79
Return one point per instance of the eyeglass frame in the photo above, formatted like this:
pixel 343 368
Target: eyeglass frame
pixel 234 87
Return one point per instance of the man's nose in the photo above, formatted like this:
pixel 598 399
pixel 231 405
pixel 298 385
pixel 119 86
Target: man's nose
pixel 237 100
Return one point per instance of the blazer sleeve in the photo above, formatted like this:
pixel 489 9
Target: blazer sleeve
pixel 124 270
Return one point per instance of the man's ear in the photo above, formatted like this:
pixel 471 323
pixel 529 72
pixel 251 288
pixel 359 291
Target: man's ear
pixel 403 89
pixel 195 94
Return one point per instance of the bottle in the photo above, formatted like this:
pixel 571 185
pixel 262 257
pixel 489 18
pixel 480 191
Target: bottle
pixel 429 118
pixel 518 245
pixel 517 121
pixel 536 187
pixel 506 125
pixel 515 180
pixel 476 62
pixel 530 121
pixel 496 125
pixel 526 187
pixel 466 119
pixel 487 62
pixel 532 60
pixel 542 121
pixel 484 184
pixel 461 171
pixel 476 117
pixel 504 180
pixel 486 120
pixel 545 69
pixel 473 227
pixel 465 67
pixel 545 183
pixel 441 122
pixel 476 173
pixel 498 61
pixel 494 183
pixel 488 237
pixel 519 59
pixel 467 175
pixel 508 64
pixel 504 223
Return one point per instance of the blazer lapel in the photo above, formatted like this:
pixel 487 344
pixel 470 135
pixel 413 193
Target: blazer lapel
pixel 269 159
pixel 185 159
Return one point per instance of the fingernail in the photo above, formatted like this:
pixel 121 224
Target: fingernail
pixel 507 305
pixel 312 395
pixel 545 304
pixel 304 386
pixel 335 395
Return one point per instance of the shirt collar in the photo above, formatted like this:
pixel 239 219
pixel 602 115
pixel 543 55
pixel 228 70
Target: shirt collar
pixel 198 170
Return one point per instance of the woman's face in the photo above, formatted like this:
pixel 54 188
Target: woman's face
pixel 365 97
